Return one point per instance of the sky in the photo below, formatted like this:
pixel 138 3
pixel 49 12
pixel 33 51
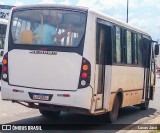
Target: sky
pixel 143 14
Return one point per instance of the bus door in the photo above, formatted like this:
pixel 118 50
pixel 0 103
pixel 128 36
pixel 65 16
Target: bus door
pixel 146 58
pixel 103 58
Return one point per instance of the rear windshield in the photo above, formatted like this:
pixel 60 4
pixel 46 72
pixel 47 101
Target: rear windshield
pixel 48 27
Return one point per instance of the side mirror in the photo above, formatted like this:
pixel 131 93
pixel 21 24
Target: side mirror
pixel 156 49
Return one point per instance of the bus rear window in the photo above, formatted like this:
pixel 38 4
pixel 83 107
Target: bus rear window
pixel 48 27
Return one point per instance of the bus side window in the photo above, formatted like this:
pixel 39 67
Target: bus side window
pixel 135 43
pixel 118 52
pixel 146 52
pixel 139 47
pixel 100 45
pixel 129 48
pixel 123 45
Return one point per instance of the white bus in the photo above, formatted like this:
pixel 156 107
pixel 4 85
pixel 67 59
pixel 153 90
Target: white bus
pixel 3 27
pixel 99 66
pixel 4 13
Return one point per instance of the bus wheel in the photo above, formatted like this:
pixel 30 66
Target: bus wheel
pixel 113 114
pixel 47 113
pixel 144 106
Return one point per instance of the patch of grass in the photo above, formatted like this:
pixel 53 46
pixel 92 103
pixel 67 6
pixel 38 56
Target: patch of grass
pixel 156 131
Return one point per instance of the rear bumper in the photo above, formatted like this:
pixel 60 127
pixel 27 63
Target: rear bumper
pixel 79 99
pixel 56 108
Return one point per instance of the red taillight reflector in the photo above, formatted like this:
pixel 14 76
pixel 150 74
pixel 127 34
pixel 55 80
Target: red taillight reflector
pixel 4 61
pixel 64 95
pixel 4 68
pixel 85 67
pixel 84 75
pixel 15 90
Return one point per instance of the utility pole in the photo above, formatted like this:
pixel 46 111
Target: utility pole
pixel 127 10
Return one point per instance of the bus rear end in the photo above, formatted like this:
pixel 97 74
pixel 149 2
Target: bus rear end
pixel 40 68
pixel 3 26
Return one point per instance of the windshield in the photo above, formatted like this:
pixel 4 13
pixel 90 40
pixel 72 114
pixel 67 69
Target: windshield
pixel 2 35
pixel 48 27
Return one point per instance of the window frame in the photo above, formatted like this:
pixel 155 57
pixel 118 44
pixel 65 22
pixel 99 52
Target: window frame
pixel 124 48
pixel 79 49
pixel 48 45
pixel 103 23
pixel 130 32
pixel 115 45
pixel 139 52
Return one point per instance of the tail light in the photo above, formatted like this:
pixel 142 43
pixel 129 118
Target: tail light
pixel 5 68
pixel 85 74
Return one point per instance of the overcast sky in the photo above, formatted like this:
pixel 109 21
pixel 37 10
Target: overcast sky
pixel 143 14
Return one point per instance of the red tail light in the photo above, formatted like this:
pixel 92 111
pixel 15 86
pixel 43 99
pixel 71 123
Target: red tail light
pixel 5 68
pixel 63 95
pixel 85 74
pixel 66 95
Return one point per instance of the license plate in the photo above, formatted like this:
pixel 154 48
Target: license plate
pixel 43 97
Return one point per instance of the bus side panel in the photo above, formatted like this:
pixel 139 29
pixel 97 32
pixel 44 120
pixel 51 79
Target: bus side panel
pixel 107 88
pixel 90 43
pixel 130 80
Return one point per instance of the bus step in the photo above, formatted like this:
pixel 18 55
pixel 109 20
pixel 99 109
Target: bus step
pixel 100 111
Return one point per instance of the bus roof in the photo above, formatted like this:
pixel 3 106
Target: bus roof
pixel 97 13
pixel 117 22
pixel 53 5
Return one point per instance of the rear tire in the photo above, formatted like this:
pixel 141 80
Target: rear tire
pixel 47 113
pixel 144 106
pixel 113 114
